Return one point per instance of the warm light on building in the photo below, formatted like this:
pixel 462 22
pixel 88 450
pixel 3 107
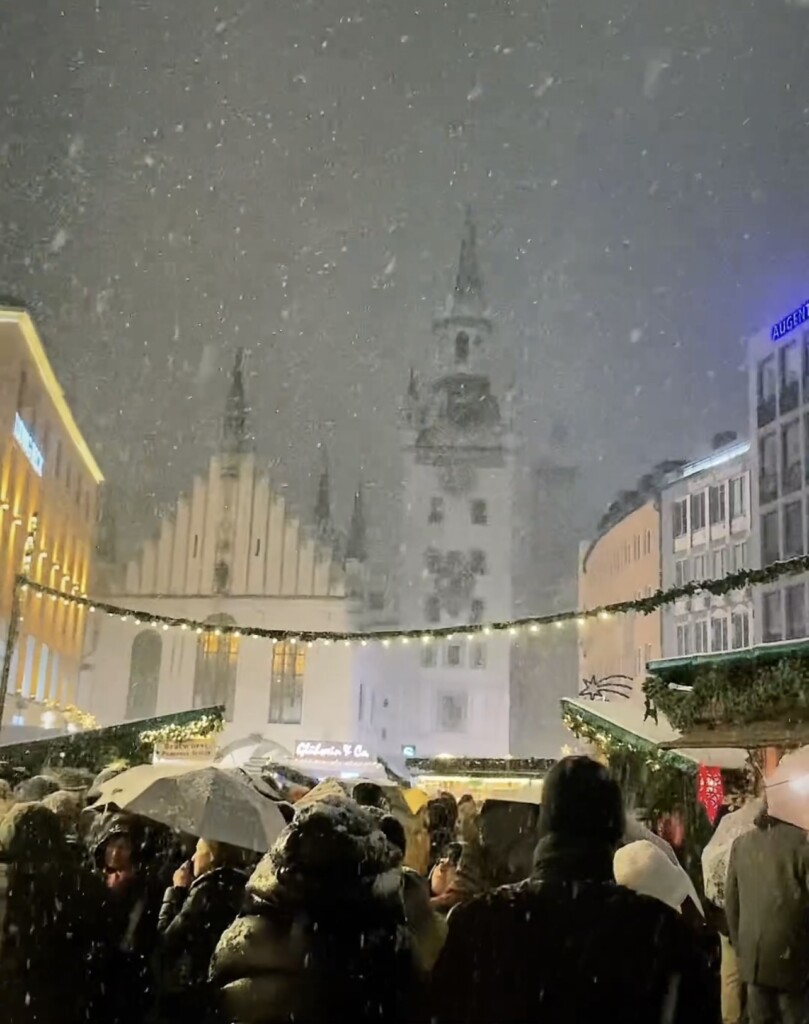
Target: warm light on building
pixel 49 483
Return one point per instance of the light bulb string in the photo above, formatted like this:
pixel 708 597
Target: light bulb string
pixel 731 583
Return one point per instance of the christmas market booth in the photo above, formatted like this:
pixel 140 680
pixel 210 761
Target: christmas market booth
pixel 485 778
pixel 756 699
pixel 188 736
pixel 676 789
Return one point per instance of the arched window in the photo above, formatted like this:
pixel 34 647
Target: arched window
pixel 286 683
pixel 216 665
pixel 462 348
pixel 144 675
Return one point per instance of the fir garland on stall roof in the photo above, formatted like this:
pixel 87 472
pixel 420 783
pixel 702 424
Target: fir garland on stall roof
pixel 762 684
pixel 612 740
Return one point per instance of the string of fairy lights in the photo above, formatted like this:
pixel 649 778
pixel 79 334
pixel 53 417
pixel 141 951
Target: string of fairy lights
pixel 527 626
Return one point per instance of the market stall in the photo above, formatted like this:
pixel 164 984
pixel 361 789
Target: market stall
pixel 509 778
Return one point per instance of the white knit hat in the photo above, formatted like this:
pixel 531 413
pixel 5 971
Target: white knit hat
pixel 644 868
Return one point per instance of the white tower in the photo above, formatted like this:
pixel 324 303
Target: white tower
pixel 456 557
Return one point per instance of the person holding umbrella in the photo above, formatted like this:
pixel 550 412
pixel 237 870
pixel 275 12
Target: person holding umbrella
pixel 204 899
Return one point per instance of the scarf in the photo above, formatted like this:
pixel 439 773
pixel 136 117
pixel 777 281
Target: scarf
pixel 561 858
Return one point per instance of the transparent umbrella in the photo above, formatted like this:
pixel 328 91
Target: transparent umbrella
pixel 788 789
pixel 716 854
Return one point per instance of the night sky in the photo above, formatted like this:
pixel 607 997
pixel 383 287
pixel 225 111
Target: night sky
pixel 179 179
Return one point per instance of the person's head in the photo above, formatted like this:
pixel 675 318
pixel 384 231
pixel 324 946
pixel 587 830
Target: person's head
pixel 644 868
pixel 119 853
pixel 30 834
pixel 210 855
pixel 581 803
pixel 370 794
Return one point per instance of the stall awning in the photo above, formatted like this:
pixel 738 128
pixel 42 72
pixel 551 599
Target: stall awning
pixel 749 736
pixel 627 717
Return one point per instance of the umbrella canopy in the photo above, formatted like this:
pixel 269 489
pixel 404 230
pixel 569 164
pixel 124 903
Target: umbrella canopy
pixel 131 783
pixel 211 804
pixel 788 789
pixel 716 854
pixel 415 799
pixel 254 749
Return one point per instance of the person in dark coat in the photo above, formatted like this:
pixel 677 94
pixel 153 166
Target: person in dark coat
pixel 323 938
pixel 570 945
pixel 767 909
pixel 46 916
pixel 204 899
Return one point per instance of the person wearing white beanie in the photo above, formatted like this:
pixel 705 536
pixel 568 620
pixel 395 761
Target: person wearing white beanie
pixel 644 868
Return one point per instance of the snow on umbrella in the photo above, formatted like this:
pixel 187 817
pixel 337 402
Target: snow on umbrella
pixel 211 804
pixel 128 784
pixel 716 854
pixel 788 789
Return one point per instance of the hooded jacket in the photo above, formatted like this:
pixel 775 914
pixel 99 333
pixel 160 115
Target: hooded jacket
pixel 323 937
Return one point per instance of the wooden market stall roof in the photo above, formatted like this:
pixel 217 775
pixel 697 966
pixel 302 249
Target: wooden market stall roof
pixel 749 736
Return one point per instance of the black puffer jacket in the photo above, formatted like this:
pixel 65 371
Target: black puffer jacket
pixel 190 925
pixel 323 938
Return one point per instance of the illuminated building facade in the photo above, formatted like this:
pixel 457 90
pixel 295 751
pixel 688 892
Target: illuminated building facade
pixel 49 490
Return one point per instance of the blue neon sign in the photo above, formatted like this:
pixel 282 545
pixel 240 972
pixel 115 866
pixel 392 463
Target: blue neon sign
pixel 789 323
pixel 25 439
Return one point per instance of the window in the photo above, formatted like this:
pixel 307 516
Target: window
pixel 647 655
pixel 196 546
pixel 429 656
pixel 740 628
pixel 766 390
pixel 789 358
pixel 791 467
pixel 477 562
pixel 636 547
pixel 432 609
pixel 720 564
pixel 740 556
pixel 698 511
pixel 42 674
pixel 376 600
pixel 795 601
pixel 770 544
pixel 477 654
pixel 216 665
pixel 57 469
pixel 738 497
pixel 638 661
pixel 768 468
pixel 716 504
pixel 454 656
pixel 452 712
pixel 462 348
pixel 679 513
pixel 793 529
pixel 701 636
pixel 772 628
pixel 681 574
pixel 258 547
pixel 700 568
pixel 478 609
pixel 647 547
pixel 719 633
pixel 432 560
pixel 144 675
pixel 286 683
pixel 436 510
pixel 480 514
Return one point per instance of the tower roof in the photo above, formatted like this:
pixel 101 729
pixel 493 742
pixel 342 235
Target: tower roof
pixel 468 280
pixel 357 547
pixel 236 437
pixel 323 522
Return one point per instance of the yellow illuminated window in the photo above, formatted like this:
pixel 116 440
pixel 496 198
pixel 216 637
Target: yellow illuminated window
pixel 286 683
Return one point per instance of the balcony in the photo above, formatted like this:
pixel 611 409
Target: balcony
pixel 790 397
pixel 767 487
pixel 766 411
pixel 791 479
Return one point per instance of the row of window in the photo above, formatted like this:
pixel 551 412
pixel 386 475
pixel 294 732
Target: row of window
pixel 434 561
pixel 783 614
pixel 779 383
pixel 704 636
pixel 689 515
pixel 432 610
pixel 787 456
pixel 453 655
pixel 639 547
pixel 713 565
pixel 60 467
pixel 782 533
pixel 478 511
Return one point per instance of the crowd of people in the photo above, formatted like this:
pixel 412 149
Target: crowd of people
pixel 112 919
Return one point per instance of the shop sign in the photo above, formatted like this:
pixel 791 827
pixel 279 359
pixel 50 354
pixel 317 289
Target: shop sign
pixel 200 749
pixel 789 323
pixel 31 450
pixel 408 750
pixel 320 750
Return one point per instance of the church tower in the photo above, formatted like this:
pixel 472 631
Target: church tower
pixel 456 557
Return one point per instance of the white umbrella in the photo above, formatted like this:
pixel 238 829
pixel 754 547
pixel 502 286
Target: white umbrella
pixel 211 804
pixel 131 783
pixel 716 854
pixel 237 755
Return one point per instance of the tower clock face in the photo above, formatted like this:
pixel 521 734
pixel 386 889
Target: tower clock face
pixel 457 478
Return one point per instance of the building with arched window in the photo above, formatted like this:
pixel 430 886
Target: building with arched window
pixel 233 553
